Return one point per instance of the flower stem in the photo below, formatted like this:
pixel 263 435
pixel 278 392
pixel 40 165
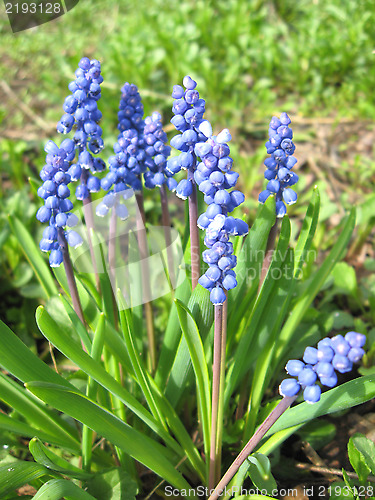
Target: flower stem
pixel 112 262
pixel 112 244
pixel 194 233
pixel 220 411
pixel 216 369
pixel 269 251
pixel 89 219
pixel 251 444
pixel 166 221
pixel 143 251
pixel 70 274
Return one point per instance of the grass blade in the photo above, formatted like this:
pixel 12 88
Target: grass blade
pixel 148 452
pixel 55 489
pixel 34 257
pixel 345 396
pixel 74 352
pixel 195 346
pixel 44 456
pixel 15 475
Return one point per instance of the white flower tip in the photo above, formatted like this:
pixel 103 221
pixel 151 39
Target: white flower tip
pixel 224 136
pixel 206 128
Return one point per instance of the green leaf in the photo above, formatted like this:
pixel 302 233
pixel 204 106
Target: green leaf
pixel 16 397
pixel 114 484
pixel 341 490
pixel 241 359
pixel 172 336
pixel 318 433
pixel 307 232
pixel 340 398
pixel 345 278
pixel 361 452
pixel 202 311
pixel 10 424
pixel 14 475
pixel 75 353
pixel 77 323
pixel 250 261
pixel 50 460
pixel 268 329
pixel 195 346
pixel 34 257
pixel 139 370
pixel 260 472
pixel 55 489
pixel 19 361
pixel 142 448
pixel 304 302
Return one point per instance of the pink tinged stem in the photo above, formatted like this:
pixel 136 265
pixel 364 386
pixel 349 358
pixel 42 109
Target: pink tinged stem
pixel 166 221
pixel 70 275
pixel 251 444
pixel 216 370
pixel 145 271
pixel 194 233
pixel 89 219
pixel 269 251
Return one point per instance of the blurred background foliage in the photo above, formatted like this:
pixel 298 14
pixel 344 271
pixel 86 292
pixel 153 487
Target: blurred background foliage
pixel 252 59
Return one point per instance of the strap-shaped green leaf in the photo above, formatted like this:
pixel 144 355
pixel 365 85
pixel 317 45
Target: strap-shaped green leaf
pixel 34 257
pixel 249 264
pixel 14 475
pixel 269 328
pixel 12 425
pixel 73 351
pixel 309 226
pixel 345 396
pixel 202 311
pixel 34 411
pixel 198 359
pixel 44 456
pixel 315 285
pixel 172 336
pixel 55 489
pixel 139 446
pixel 242 356
pixel 24 365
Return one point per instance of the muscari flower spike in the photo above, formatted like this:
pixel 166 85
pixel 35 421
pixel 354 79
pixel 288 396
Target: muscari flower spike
pixel 214 176
pixel 319 364
pixel 279 175
pixel 156 148
pixel 130 159
pixel 57 206
pixel 188 109
pixel 81 110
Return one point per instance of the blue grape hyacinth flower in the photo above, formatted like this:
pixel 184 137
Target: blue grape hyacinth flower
pixel 188 109
pixel 57 206
pixel 215 178
pixel 279 165
pixel 155 139
pixel 332 355
pixel 81 111
pixel 130 160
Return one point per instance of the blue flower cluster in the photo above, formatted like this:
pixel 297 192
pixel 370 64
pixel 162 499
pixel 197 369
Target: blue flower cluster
pixel 130 159
pixel 337 353
pixel 188 110
pixel 156 148
pixel 56 208
pixel 281 148
pixel 214 177
pixel 81 110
